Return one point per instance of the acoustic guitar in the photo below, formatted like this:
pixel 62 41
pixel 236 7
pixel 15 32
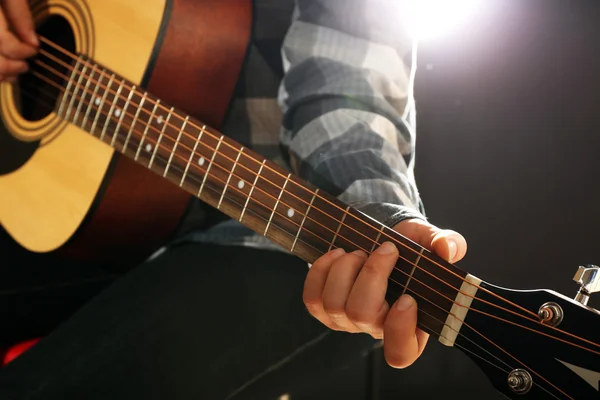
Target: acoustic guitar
pixel 163 48
pixel 534 344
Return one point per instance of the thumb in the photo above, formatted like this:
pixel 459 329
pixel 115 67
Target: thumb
pixel 403 342
pixel 448 244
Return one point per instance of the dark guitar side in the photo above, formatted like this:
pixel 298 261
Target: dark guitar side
pixel 195 66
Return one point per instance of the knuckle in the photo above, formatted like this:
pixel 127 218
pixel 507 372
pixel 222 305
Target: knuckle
pixel 335 311
pixel 359 318
pixel 371 269
pixel 3 66
pixel 346 259
pixel 319 264
pixel 313 304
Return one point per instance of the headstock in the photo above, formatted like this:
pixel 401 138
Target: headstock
pixel 536 344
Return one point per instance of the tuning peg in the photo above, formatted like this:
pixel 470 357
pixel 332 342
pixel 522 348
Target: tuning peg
pixel 588 277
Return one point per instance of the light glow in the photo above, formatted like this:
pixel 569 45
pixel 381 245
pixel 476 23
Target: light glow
pixel 427 19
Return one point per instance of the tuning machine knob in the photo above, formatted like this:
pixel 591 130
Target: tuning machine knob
pixel 588 278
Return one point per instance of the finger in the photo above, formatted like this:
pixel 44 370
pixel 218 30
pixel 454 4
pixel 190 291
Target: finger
pixel 448 244
pixel 12 48
pixel 10 68
pixel 367 306
pixel 403 342
pixel 3 23
pixel 338 286
pixel 18 16
pixel 314 285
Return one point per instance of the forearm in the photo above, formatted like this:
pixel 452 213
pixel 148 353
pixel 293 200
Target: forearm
pixel 348 108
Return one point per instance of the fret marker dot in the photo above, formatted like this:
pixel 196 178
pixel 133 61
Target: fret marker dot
pixel 201 161
pixel 148 147
pixel 97 101
pixel 291 212
pixel 117 113
pixel 159 119
pixel 241 184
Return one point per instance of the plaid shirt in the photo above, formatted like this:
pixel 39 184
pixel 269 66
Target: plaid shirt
pixel 326 92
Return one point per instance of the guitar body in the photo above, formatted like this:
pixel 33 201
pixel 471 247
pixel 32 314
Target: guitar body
pixel 64 191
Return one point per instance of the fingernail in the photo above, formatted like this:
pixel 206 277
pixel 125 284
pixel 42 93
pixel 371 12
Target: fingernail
pixel 452 249
pixel 33 39
pixel 387 248
pixel 359 253
pixel 405 302
pixel 337 253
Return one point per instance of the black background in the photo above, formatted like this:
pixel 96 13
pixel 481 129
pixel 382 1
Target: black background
pixel 508 151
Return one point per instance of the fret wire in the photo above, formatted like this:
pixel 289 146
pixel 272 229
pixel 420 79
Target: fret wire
pixel 123 112
pixel 162 132
pixel 77 86
pixel 303 220
pixel 137 153
pixel 252 188
pixel 99 111
pixel 257 214
pixel 377 239
pixel 91 103
pixel 338 228
pixel 175 145
pixel 110 110
pixel 69 84
pixel 229 178
pixel 277 202
pixel 412 271
pixel 85 92
pixel 212 159
pixel 134 120
pixel 187 167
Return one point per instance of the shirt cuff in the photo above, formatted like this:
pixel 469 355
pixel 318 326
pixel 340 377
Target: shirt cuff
pixel 387 213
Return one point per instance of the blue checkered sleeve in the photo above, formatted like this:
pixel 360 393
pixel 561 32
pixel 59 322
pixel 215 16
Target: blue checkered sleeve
pixel 348 105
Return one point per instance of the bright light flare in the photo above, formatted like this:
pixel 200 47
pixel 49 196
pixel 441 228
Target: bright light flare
pixel 427 19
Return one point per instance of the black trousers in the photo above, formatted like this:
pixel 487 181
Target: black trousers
pixel 197 322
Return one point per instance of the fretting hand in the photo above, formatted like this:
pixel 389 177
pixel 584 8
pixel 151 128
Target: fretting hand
pixel 346 291
pixel 18 40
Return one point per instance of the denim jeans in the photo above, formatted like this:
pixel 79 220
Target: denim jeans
pixel 197 322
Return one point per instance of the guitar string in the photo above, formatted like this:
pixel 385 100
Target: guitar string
pixel 74 57
pixel 535 321
pixel 403 258
pixel 302 200
pixel 517 360
pixel 443 323
pixel 341 236
pixel 462 335
pixel 217 191
pixel 380 231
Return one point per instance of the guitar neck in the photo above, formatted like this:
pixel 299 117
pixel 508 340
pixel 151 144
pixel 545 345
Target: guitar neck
pixel 245 186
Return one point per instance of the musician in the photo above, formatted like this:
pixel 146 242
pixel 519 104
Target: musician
pixel 222 313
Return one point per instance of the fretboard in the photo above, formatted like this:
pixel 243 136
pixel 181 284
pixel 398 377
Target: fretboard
pixel 245 186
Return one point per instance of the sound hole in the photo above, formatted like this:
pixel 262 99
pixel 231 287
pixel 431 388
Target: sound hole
pixel 38 90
